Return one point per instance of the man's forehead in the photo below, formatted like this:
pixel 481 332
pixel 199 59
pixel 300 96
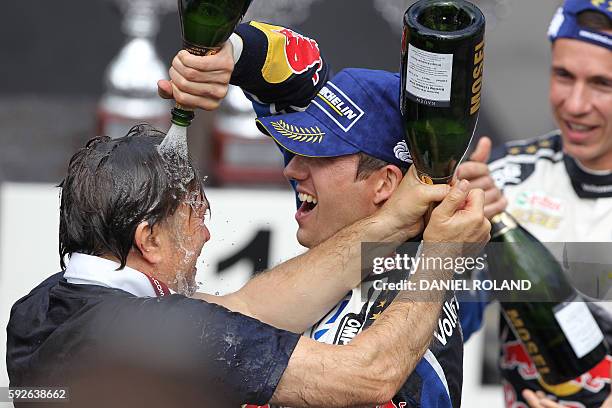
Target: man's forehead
pixel 332 161
pixel 337 171
pixel 568 53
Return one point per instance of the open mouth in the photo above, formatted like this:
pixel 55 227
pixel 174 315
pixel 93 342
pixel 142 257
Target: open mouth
pixel 578 132
pixel 308 202
pixel 576 127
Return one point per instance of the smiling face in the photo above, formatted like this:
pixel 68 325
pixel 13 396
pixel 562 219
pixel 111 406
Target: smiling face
pixel 331 197
pixel 581 99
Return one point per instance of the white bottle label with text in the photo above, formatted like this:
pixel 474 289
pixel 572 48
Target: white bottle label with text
pixel 429 77
pixel 579 327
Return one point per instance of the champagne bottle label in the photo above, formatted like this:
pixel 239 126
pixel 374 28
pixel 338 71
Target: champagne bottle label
pixel 200 51
pixel 429 77
pixel 579 327
pixel 477 77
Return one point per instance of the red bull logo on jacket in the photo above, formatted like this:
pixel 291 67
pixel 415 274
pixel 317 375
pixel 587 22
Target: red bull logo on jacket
pixel 392 404
pixel 515 356
pixel 288 53
pixel 597 377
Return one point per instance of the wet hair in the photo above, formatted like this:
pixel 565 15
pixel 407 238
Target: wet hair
pixel 369 164
pixel 595 20
pixel 111 186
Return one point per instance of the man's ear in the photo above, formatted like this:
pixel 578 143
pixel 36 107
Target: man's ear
pixel 146 239
pixel 387 180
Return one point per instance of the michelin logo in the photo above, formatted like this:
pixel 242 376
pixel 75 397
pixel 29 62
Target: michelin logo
pixel 338 106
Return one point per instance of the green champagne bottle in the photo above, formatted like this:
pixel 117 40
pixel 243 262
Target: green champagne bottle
pixel 206 25
pixel 441 83
pixel 557 328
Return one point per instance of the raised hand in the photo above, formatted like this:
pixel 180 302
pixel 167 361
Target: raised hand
pixel 476 171
pixel 199 82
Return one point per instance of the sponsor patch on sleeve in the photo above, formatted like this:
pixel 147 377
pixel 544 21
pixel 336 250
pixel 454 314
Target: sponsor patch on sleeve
pixel 289 53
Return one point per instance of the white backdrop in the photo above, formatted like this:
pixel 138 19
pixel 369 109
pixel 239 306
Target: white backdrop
pixel 29 246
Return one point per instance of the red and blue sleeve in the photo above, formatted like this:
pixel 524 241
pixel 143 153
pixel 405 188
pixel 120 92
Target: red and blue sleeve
pixel 279 69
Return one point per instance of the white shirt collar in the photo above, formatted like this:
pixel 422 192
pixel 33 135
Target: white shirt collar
pixel 92 270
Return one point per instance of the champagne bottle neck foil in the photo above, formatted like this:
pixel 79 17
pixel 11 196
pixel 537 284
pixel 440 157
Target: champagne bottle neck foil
pixel 501 224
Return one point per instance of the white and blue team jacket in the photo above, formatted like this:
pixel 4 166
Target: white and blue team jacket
pixel 556 200
pixel 437 379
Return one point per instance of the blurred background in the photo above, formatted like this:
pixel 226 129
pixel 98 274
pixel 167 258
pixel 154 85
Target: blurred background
pixel 71 70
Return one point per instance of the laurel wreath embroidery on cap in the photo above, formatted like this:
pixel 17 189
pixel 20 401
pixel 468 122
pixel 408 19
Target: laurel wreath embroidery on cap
pixel 299 134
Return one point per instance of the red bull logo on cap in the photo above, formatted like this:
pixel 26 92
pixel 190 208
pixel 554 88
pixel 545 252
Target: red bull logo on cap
pixel 288 53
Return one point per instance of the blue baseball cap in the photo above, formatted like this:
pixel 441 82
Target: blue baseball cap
pixel 356 111
pixel 565 22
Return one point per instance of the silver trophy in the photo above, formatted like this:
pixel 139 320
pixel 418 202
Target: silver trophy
pixel 130 82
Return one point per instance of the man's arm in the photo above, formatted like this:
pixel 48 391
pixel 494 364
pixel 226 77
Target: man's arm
pixel 237 359
pixel 279 70
pixel 298 292
pixel 379 360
